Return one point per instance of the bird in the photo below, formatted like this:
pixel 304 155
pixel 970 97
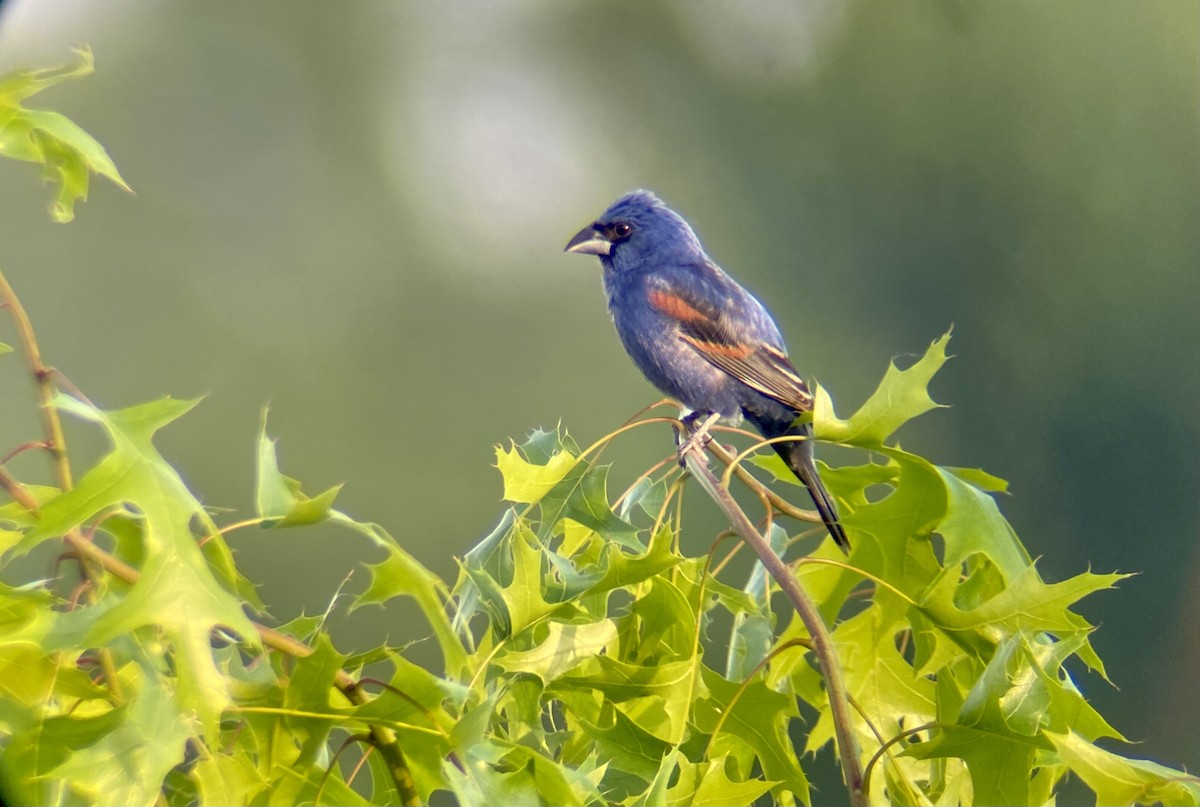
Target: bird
pixel 700 337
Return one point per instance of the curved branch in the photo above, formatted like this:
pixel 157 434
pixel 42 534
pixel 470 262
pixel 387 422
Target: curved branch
pixel 823 649
pixel 745 477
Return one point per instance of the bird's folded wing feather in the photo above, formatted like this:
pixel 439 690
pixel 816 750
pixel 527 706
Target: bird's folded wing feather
pixel 731 346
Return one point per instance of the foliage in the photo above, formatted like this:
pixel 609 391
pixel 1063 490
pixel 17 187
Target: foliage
pixel 583 660
pixel 67 154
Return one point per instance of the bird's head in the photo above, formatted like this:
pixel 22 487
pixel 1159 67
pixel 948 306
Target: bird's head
pixel 638 230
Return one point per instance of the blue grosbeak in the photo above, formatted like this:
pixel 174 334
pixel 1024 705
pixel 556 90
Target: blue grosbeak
pixel 700 337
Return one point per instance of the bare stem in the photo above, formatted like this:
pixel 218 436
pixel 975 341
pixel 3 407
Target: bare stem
pixel 822 644
pixel 778 502
pixel 43 377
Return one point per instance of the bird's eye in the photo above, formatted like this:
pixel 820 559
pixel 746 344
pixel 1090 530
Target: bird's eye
pixel 621 230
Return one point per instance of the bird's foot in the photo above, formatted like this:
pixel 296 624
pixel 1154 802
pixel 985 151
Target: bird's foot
pixel 698 437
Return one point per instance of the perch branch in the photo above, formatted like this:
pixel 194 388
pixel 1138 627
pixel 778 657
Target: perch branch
pixel 823 649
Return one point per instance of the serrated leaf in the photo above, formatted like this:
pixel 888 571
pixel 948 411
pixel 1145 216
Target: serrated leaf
pixel 227 779
pixel 657 698
pixel 308 691
pixel 67 153
pixel 521 601
pixel 999 765
pixel 706 784
pixel 625 745
pixel 401 575
pixel 757 717
pixel 278 498
pixel 973 524
pixel 900 397
pixel 895 530
pixel 415 706
pixel 499 773
pixel 565 646
pixel 648 495
pixel 1068 708
pixel 1117 780
pixel 667 621
pixel 1004 700
pixel 753 631
pixel 582 495
pixel 1028 604
pixel 127 765
pixel 177 590
pixel 883 682
pixel 526 482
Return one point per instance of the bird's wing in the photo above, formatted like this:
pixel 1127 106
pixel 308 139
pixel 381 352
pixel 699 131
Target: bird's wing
pixel 731 345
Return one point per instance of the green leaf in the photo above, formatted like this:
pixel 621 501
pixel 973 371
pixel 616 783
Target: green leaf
pixel 707 784
pixel 656 698
pixel 999 765
pixel 1027 604
pixel 625 745
pixel 753 631
pixel 499 773
pixel 5 348
pixel 1068 710
pixel 177 590
pixel 901 396
pixel 278 498
pixel 666 618
pixel 1117 780
pixel 126 765
pixel 228 779
pixel 401 575
pixel 894 531
pixel 973 524
pixel 417 705
pixel 526 482
pixel 67 153
pixel 757 719
pixel 883 683
pixel 515 598
pixel 564 647
pixel 582 495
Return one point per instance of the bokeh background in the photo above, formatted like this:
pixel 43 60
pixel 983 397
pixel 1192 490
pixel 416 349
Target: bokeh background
pixel 356 211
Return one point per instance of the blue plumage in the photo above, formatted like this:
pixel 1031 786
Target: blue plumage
pixel 697 335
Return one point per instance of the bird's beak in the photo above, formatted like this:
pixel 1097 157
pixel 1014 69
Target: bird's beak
pixel 589 242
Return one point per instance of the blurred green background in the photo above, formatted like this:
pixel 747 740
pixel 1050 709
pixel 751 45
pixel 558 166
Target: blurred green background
pixel 356 211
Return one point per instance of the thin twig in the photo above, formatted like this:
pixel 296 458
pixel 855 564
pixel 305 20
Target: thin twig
pixel 883 749
pixel 778 502
pixel 56 441
pixel 823 649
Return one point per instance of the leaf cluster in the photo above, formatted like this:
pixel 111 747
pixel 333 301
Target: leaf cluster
pixel 578 645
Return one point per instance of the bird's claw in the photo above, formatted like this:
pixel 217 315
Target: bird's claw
pixel 698 437
pixel 696 442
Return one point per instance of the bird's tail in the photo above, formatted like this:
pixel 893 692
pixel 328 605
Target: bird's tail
pixel 798 454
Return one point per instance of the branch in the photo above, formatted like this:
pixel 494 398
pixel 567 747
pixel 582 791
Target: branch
pixel 781 504
pixel 56 441
pixel 823 649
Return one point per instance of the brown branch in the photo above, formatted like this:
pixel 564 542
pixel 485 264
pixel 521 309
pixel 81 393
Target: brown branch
pixel 56 441
pixel 745 477
pixel 823 649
